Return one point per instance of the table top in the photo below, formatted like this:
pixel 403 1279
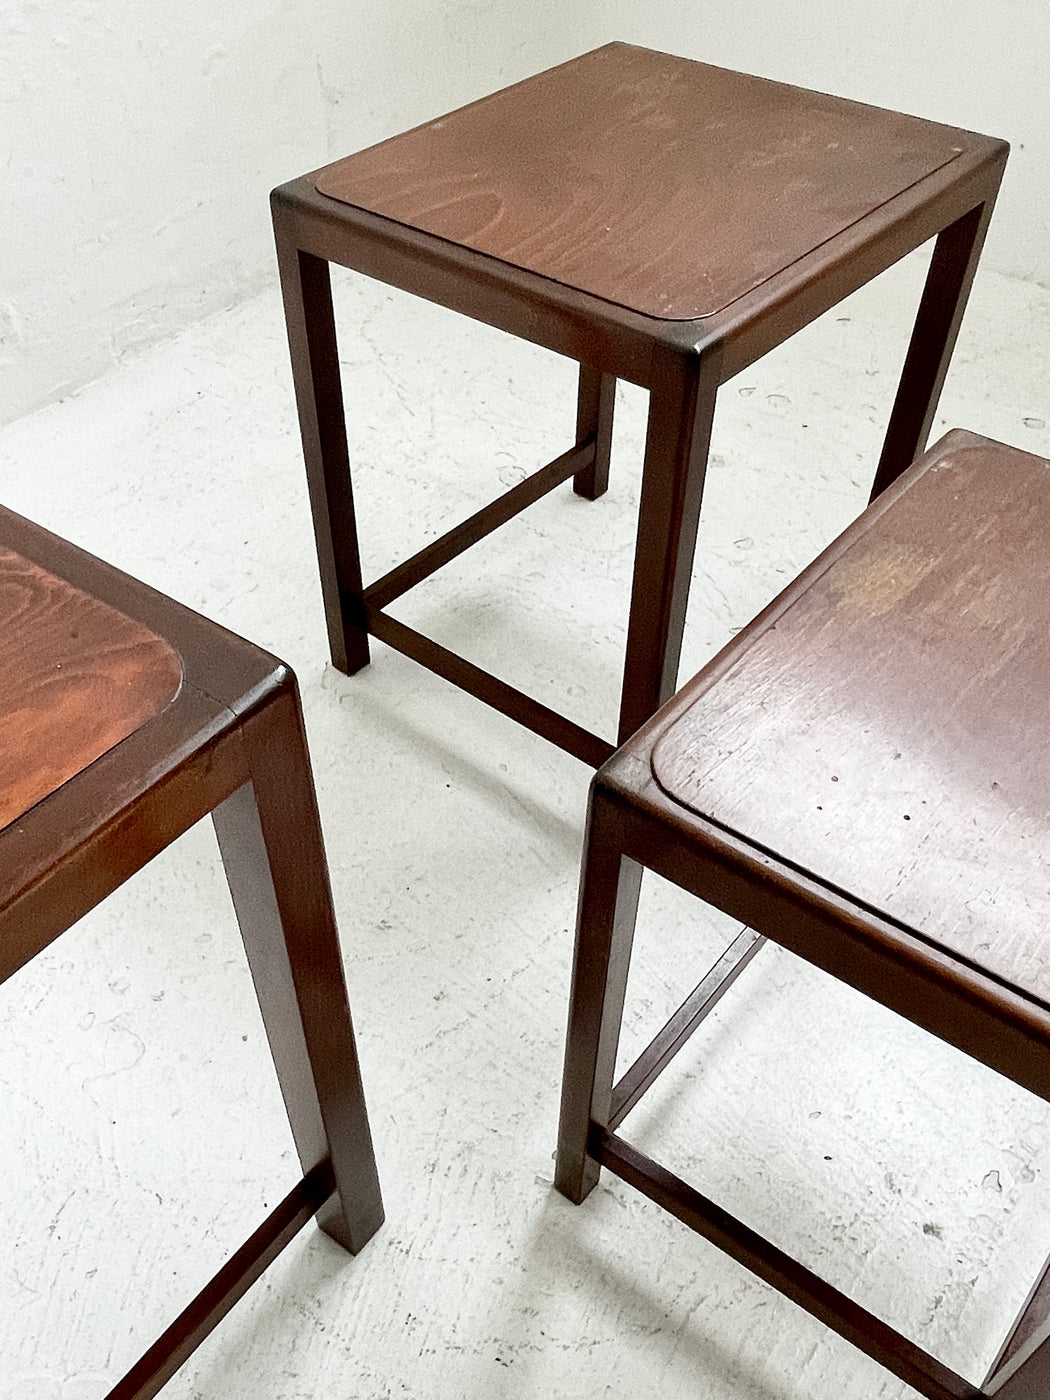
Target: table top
pixel 663 185
pixel 885 730
pixel 76 677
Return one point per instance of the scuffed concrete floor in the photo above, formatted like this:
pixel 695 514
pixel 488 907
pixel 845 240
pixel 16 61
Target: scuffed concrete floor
pixel 142 1130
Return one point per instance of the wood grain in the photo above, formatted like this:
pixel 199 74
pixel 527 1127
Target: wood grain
pixel 666 186
pixel 76 677
pixel 887 733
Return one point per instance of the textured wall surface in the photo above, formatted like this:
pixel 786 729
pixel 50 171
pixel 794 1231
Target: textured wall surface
pixel 139 140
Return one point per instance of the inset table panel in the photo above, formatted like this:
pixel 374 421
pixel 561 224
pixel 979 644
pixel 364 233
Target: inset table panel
pixel 71 668
pixel 667 186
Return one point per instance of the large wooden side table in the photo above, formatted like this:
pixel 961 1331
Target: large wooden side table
pixel 657 220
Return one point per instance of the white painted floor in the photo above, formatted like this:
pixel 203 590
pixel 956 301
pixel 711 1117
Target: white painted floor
pixel 142 1132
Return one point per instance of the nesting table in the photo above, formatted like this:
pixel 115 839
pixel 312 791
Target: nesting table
pixel 124 719
pixel 654 219
pixel 861 775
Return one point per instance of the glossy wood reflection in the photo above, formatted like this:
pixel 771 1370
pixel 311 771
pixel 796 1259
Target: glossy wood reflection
pixel 76 677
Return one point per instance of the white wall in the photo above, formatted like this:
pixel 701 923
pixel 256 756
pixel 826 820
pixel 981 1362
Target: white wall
pixel 139 138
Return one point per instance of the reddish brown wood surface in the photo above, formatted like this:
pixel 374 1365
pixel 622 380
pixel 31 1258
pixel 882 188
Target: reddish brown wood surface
pixel 87 655
pixel 887 731
pixel 76 677
pixel 666 186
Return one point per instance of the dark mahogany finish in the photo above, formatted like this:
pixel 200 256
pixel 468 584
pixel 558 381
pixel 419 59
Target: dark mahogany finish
pixel 657 220
pixel 126 718
pixel 853 776
pixel 666 186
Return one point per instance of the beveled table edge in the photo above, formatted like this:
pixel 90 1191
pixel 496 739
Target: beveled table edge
pixel 632 769
pixel 224 678
pixel 968 141
pixel 334 226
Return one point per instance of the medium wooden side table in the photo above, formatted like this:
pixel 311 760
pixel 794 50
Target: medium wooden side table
pixel 657 220
pixel 861 775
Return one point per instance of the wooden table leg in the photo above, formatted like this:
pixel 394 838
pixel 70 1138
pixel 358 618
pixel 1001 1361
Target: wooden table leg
pixel 681 408
pixel 307 291
pixel 947 289
pixel 270 837
pixel 594 418
pixel 604 936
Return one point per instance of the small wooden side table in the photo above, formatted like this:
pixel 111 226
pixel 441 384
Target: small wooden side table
pixel 124 719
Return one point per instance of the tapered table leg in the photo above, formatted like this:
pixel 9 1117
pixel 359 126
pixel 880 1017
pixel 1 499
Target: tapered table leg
pixel 681 408
pixel 604 936
pixel 307 291
pixel 947 289
pixel 270 837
